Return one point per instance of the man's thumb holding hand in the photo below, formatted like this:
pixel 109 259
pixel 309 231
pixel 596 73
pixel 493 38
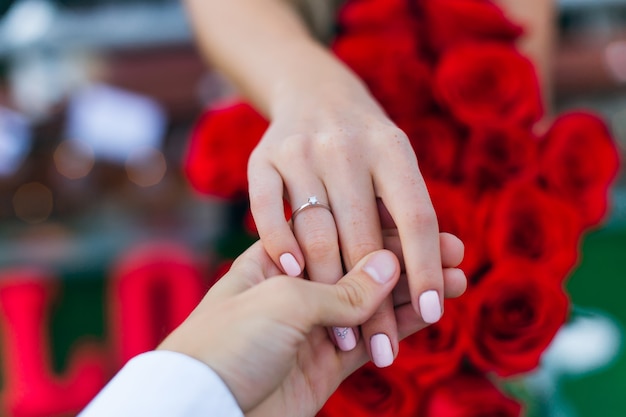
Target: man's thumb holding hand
pixel 358 294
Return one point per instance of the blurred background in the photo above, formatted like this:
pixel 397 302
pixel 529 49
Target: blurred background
pixel 97 100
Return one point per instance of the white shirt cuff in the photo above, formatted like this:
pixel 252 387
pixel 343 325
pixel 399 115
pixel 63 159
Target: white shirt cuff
pixel 164 383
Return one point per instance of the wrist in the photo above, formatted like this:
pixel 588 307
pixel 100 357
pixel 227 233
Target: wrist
pixel 317 81
pixel 325 98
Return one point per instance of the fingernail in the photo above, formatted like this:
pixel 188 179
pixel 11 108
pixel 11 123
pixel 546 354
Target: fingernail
pixel 290 265
pixel 380 267
pixel 382 353
pixel 430 308
pixel 346 340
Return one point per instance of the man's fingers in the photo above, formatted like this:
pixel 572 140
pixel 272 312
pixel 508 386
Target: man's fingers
pixel 452 249
pixel 454 284
pixel 251 268
pixel 408 321
pixel 357 295
pixel 305 304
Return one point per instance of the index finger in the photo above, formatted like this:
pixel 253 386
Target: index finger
pixel 250 268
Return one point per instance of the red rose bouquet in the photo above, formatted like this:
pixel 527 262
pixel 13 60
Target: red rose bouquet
pixel 448 73
pixel 221 143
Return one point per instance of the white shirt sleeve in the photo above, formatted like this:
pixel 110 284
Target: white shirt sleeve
pixel 164 383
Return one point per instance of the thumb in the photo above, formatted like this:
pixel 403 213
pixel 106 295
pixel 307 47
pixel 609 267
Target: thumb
pixel 355 298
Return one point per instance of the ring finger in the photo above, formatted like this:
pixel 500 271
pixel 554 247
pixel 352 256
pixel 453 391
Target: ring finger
pixel 315 230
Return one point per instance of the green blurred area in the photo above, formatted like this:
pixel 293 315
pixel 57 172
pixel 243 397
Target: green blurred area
pixel 599 283
pixel 79 315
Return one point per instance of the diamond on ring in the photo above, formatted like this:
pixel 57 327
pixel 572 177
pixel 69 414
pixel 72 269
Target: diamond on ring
pixel 311 202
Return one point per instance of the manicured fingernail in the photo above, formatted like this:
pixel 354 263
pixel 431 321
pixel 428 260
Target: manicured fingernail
pixel 430 308
pixel 346 340
pixel 382 353
pixel 290 265
pixel 380 267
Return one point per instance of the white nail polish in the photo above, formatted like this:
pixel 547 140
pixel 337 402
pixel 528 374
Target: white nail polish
pixel 430 307
pixel 382 352
pixel 290 265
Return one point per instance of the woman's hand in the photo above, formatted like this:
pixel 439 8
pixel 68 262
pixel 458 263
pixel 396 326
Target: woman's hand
pixel 261 333
pixel 328 138
pixel 335 143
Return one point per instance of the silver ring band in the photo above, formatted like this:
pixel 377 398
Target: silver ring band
pixel 311 202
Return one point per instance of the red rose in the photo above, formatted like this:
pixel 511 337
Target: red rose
pixel 453 209
pixel 222 269
pixel 468 396
pixel 436 142
pixel 435 352
pixel 488 82
pixel 578 162
pixel 371 391
pixel 359 15
pixel 496 154
pixel 450 22
pixel 513 314
pixel 387 62
pixel 528 224
pixel 221 143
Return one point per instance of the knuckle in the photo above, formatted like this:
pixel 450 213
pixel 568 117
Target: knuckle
pixel 285 289
pixel 335 144
pixel 293 146
pixel 278 285
pixel 397 137
pixel 318 245
pixel 329 147
pixel 353 294
pixel 397 133
pixel 422 218
pixel 256 157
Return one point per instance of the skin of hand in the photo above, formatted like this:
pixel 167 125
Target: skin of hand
pixel 263 333
pixel 330 139
pixel 346 152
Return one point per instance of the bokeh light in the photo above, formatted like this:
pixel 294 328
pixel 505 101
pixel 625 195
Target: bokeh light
pixel 615 55
pixel 73 159
pixel 146 166
pixel 33 202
